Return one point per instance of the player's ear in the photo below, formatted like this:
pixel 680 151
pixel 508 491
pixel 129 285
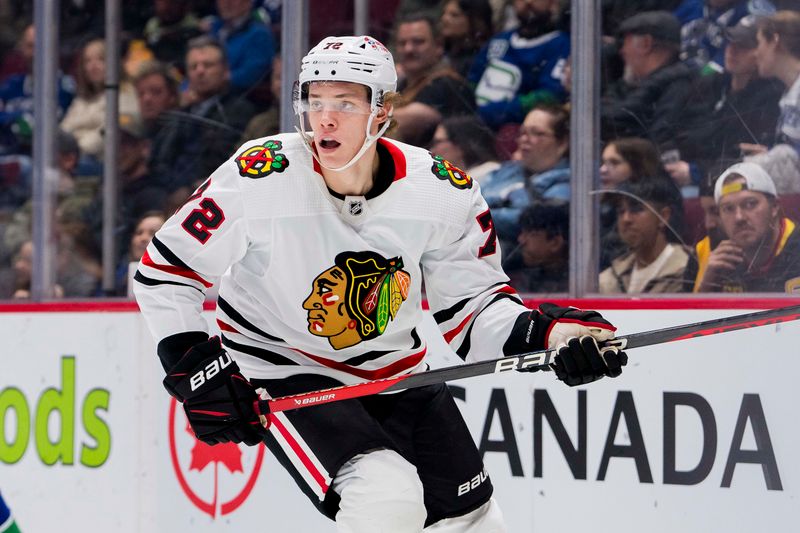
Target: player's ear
pixel 384 113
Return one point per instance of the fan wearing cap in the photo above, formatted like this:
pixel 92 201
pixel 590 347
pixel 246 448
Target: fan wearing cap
pixel 704 38
pixel 762 249
pixel 656 86
pixel 320 242
pixel 728 110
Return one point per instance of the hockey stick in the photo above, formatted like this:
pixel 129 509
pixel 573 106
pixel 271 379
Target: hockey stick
pixel 542 358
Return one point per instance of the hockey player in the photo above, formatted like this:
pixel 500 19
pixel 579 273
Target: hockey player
pixel 322 239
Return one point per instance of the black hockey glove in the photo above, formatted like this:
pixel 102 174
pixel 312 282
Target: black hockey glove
pixel 575 334
pixel 217 398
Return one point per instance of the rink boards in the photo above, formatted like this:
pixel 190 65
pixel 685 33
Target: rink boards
pixel 699 435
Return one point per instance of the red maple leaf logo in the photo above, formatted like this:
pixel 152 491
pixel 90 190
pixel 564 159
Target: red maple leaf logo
pixel 227 453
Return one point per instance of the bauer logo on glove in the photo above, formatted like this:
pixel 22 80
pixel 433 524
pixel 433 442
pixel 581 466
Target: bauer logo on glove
pixel 576 335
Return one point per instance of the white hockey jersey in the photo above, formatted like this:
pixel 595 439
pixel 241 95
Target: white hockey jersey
pixel 309 282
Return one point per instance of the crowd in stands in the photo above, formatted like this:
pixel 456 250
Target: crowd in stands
pixel 699 187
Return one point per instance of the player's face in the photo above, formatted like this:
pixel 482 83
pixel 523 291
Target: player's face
pixel 614 169
pixel 748 218
pixel 154 96
pixel 538 146
pixel 637 225
pixel 338 113
pixel 327 313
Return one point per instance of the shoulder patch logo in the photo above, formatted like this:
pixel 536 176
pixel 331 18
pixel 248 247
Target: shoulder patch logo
pixel 355 299
pixel 262 160
pixel 445 170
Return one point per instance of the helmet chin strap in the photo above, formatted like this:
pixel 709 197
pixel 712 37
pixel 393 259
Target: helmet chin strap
pixel 368 141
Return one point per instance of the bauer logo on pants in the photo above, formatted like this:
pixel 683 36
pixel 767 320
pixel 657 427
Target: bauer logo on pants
pixel 216 479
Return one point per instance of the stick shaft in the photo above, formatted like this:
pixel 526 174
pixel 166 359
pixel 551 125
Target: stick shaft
pixel 542 358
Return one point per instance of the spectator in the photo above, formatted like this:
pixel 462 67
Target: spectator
pixel 85 118
pixel 204 133
pixel 762 249
pixel 142 233
pixel 172 25
pixel 647 213
pixel 542 171
pixel 431 90
pixel 467 143
pixel 713 233
pixel 656 86
pixel 465 26
pixel 623 160
pixel 778 55
pixel 703 39
pixel 156 94
pixel 139 191
pixel 540 261
pixel 628 158
pixel 737 106
pixel 521 68
pixel 247 40
pixel 267 122
pixel 16 103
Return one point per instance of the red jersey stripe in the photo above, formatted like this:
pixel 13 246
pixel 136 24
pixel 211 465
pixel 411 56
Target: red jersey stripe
pixel 171 269
pixel 450 335
pixel 388 371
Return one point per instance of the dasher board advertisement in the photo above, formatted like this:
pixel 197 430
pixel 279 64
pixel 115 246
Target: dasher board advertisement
pixel 698 435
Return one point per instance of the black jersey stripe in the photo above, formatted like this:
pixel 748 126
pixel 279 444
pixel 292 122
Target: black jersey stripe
pixel 237 317
pixel 265 355
pixel 446 314
pixel 151 282
pixel 168 254
pixel 377 354
pixel 463 350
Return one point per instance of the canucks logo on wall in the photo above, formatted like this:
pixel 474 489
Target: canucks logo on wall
pixel 262 160
pixel 355 299
pixel 445 170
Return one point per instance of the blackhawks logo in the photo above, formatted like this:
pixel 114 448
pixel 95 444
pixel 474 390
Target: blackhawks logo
pixel 445 170
pixel 262 160
pixel 355 299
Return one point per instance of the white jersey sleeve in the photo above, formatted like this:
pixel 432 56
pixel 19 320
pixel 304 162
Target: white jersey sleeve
pixel 189 254
pixel 468 291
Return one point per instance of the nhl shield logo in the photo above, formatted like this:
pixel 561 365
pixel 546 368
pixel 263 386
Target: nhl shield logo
pixel 356 207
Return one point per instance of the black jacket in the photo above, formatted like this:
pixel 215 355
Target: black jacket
pixel 651 109
pixel 717 119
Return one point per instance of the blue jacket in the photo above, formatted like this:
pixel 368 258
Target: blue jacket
pixel 250 49
pixel 512 74
pixel 509 189
pixel 16 110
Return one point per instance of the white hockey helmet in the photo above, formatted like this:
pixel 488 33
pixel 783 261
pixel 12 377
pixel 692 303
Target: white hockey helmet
pixel 361 59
